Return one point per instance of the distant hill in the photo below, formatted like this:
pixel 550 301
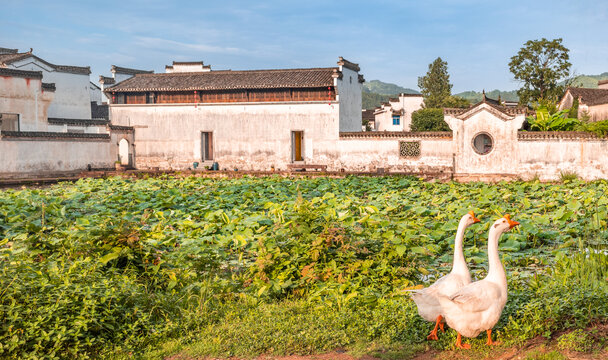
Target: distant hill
pixel 474 96
pixel 382 88
pixel 375 92
pixel 589 81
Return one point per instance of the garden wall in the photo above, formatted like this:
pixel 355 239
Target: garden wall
pixel 547 154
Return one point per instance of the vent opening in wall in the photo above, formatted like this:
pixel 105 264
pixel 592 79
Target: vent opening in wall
pixel 409 148
pixel 483 143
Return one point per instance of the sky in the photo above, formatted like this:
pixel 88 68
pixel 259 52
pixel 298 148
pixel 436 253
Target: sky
pixel 392 41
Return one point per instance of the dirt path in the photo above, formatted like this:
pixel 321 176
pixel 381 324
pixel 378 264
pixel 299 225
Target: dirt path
pixel 539 348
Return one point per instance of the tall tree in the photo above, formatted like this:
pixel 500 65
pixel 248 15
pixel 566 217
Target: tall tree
pixel 435 85
pixel 539 65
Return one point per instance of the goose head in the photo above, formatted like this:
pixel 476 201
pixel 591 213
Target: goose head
pixel 504 224
pixel 470 219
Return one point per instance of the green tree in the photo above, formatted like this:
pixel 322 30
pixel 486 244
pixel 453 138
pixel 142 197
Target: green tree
pixel 435 85
pixel 539 65
pixel 429 120
pixel 454 101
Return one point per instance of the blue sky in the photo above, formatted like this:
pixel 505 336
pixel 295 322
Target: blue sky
pixel 393 41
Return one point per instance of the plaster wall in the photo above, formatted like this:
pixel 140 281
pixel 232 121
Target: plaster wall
pixel 21 157
pixel 247 136
pixel 502 158
pixel 588 158
pixel 95 93
pixel 25 97
pixel 349 96
pixel 409 104
pixel 72 97
pixel 370 154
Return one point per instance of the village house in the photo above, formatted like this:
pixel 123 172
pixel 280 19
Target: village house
pixel 591 102
pixel 32 144
pixel 396 114
pixel 119 74
pixel 250 120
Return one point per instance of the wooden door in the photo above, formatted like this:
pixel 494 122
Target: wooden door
pixel 297 141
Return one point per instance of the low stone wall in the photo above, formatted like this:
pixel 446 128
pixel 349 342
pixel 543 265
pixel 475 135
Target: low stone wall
pixel 548 154
pixel 42 152
pixel 409 152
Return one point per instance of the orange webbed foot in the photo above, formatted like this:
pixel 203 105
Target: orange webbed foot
pixel 441 327
pixel 490 342
pixel 433 335
pixel 460 345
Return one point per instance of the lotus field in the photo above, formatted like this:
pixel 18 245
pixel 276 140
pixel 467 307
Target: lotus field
pixel 123 268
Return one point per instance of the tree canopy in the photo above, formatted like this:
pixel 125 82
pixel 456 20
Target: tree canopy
pixel 435 85
pixel 428 120
pixel 539 65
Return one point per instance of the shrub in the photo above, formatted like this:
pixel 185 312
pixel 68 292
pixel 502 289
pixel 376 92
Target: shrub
pixel 429 120
pixel 576 340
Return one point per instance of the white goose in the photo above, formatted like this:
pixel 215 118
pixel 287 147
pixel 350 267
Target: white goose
pixel 426 299
pixel 477 306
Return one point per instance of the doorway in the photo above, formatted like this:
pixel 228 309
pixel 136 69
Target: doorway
pixel 123 153
pixel 297 146
pixel 206 145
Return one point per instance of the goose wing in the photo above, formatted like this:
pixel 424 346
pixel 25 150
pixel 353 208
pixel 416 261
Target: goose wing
pixel 476 297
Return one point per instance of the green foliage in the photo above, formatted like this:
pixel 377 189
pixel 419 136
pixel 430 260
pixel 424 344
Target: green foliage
pixel 567 176
pixel 105 267
pixel 371 100
pixel 428 120
pixel 576 340
pixel 599 128
pixel 539 65
pixel 546 121
pixel 453 101
pixel 435 85
pixel 573 113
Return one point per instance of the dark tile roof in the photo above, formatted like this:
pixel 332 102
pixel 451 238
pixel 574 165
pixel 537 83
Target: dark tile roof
pixel 590 97
pixel 7 59
pixel 83 70
pixel 8 51
pixel 48 86
pixel 410 95
pixel 228 80
pixel 349 65
pixel 92 83
pixel 106 80
pixel 512 111
pixel 398 134
pixel 129 71
pixel 368 114
pixel 557 135
pixel 121 128
pixel 20 73
pixel 44 135
pixel 87 122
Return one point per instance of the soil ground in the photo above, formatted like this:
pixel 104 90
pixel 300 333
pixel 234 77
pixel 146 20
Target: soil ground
pixel 538 348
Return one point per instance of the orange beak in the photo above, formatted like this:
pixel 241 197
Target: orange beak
pixel 475 220
pixel 512 223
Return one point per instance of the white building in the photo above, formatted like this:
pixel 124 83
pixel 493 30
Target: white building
pixel 119 74
pixel 31 143
pixel 250 120
pixel 72 95
pixel 396 114
pixel 592 102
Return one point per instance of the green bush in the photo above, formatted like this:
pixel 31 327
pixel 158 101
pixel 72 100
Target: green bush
pixel 428 120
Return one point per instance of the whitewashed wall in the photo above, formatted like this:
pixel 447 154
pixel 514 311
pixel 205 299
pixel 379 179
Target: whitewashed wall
pixel 72 97
pixel 252 136
pixel 349 96
pixel 548 156
pixel 39 156
pixel 25 97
